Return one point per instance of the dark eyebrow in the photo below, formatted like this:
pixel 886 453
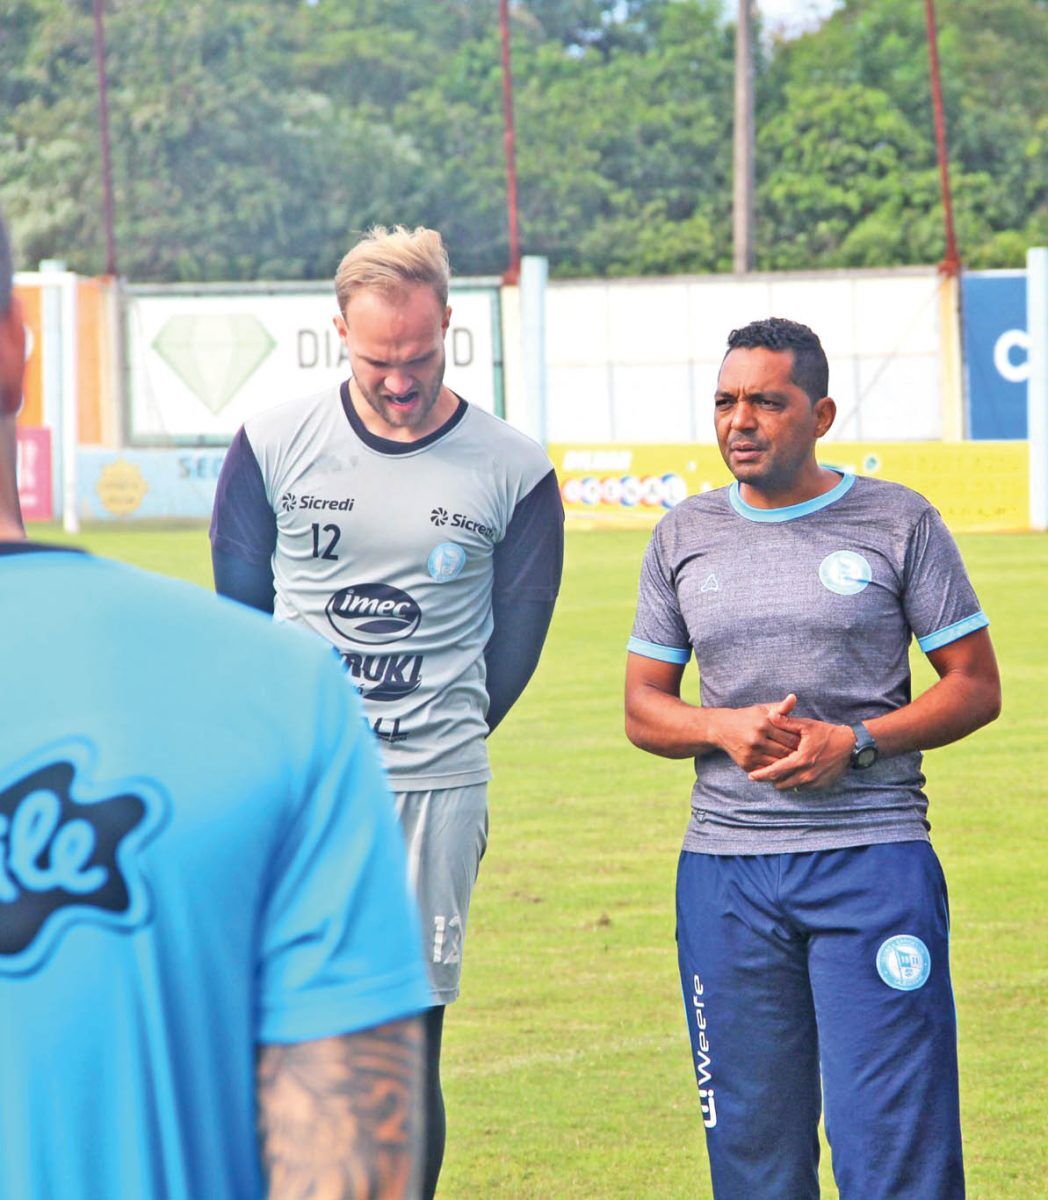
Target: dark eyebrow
pixel 771 395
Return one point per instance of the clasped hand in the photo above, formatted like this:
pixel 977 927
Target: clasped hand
pixel 788 752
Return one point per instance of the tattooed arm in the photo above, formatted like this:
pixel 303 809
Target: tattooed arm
pixel 339 1118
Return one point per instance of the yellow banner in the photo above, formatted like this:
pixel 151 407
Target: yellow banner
pixel 977 486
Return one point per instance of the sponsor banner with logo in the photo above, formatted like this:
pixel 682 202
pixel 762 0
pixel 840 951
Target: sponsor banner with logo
pixel 975 485
pixel 35 473
pixel 996 352
pixel 199 365
pixel 160 484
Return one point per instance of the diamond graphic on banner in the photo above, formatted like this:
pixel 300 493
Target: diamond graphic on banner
pixel 214 355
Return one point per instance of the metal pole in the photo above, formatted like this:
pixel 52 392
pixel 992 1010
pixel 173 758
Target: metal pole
pixel 743 207
pixel 1037 385
pixel 103 129
pixel 951 263
pixel 509 143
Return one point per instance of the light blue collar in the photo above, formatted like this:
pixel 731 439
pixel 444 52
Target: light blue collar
pixel 793 510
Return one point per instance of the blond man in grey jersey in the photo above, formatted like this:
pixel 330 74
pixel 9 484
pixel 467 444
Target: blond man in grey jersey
pixel 422 537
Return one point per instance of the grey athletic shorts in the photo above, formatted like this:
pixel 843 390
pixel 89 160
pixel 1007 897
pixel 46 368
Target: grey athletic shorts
pixel 446 833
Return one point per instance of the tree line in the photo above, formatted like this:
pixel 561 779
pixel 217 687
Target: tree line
pixel 253 138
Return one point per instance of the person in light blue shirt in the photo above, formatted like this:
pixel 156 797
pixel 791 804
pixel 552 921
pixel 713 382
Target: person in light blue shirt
pixel 210 970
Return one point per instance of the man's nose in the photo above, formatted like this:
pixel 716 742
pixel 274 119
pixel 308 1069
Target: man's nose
pixel 399 383
pixel 743 415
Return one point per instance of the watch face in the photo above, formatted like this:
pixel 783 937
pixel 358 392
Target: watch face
pixel 865 757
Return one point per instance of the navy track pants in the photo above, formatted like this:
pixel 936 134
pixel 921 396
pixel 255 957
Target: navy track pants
pixel 832 963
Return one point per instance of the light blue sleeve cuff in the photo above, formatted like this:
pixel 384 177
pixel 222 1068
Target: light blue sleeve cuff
pixel 943 637
pixel 670 654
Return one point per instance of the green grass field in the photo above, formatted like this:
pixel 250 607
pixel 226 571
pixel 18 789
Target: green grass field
pixel 568 1073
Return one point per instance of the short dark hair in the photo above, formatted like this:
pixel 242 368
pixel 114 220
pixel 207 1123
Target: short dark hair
pixel 811 371
pixel 6 270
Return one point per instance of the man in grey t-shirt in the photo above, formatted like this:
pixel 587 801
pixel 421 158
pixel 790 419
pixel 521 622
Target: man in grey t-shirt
pixel 812 920
pixel 423 538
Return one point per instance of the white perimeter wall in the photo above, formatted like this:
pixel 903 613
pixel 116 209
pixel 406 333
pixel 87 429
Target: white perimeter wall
pixel 635 360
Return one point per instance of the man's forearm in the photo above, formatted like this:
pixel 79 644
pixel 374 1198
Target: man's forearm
pixel 669 726
pixel 250 583
pixel 340 1117
pixel 513 652
pixel 949 710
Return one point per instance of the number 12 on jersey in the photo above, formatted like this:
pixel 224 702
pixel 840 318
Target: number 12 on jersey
pixel 331 535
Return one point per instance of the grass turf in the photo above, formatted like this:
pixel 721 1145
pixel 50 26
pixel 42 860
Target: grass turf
pixel 567 1069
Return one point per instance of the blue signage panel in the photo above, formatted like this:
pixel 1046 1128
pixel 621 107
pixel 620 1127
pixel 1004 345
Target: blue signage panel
pixel 160 484
pixel 996 352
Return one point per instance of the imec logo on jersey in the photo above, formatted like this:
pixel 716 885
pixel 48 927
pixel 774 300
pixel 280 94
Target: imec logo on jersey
pixel 373 614
pixel 289 502
pixel 440 516
pixel 68 853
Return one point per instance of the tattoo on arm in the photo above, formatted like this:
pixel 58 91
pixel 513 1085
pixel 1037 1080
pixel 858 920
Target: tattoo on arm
pixel 339 1118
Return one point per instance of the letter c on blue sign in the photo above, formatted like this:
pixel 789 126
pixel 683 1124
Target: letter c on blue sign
pixel 1012 339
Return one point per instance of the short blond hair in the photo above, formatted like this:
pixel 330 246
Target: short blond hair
pixel 392 259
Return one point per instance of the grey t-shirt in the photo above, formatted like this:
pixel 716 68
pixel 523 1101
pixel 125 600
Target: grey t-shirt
pixel 819 599
pixel 392 551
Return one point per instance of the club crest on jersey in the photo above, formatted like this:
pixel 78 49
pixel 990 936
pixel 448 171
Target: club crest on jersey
pixel 446 561
pixel 903 962
pixel 845 572
pixel 373 614
pixel 68 853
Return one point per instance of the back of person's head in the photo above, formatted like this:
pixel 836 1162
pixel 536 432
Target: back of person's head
pixel 390 260
pixel 811 371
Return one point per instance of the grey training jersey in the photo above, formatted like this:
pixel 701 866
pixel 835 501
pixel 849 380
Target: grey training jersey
pixel 391 550
pixel 819 599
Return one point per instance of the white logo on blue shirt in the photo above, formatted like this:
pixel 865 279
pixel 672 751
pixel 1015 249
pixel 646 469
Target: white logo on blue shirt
pixel 845 572
pixel 711 584
pixel 446 561
pixel 903 962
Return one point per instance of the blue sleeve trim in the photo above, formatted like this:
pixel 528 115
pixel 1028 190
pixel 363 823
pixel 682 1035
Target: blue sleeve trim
pixel 943 637
pixel 670 654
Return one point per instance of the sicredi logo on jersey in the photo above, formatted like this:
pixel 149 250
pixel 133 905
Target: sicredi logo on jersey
pixel 289 502
pixel 441 517
pixel 373 614
pixel 67 854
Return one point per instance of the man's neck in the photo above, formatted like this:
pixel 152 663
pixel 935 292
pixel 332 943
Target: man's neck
pixel 11 527
pixel 806 485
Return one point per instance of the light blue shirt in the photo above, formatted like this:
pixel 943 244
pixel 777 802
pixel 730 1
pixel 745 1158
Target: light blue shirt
pixel 198 853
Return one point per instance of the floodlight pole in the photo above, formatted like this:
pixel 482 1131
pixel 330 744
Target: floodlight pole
pixel 509 143
pixel 951 263
pixel 743 170
pixel 103 129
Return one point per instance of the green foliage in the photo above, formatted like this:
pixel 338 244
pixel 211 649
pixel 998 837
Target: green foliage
pixel 996 94
pixel 253 138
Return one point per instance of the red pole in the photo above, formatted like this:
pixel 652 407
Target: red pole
pixel 951 264
pixel 103 128
pixel 509 143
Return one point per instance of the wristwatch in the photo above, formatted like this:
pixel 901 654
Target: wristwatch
pixel 864 753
